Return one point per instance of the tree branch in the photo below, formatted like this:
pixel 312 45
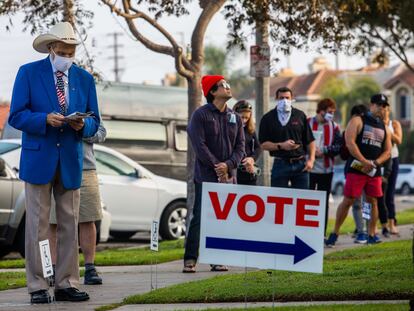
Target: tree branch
pixel 209 9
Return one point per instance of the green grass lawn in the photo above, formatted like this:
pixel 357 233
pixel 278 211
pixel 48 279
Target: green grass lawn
pixel 383 271
pixel 368 307
pixel 9 280
pixel 168 251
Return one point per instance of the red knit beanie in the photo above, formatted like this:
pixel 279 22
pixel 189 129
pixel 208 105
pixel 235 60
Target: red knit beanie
pixel 207 82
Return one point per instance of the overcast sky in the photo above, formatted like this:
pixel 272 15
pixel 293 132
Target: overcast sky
pixel 139 63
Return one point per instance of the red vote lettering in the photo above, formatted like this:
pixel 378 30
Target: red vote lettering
pixel 241 208
pixel 280 203
pixel 222 213
pixel 301 212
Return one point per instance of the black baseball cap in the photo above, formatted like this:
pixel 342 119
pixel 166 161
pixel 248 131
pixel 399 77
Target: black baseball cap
pixel 380 99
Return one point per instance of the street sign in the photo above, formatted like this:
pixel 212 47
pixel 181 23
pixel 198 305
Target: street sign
pixel 154 236
pixel 260 60
pixel 262 227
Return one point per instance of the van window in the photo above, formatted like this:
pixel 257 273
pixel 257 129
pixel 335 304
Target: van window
pixel 142 133
pixel 180 138
pixel 107 164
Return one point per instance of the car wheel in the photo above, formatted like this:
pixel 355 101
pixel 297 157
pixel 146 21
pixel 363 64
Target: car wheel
pixel 122 235
pixel 339 189
pixel 405 189
pixel 98 231
pixel 172 224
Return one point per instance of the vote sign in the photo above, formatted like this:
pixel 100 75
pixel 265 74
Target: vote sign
pixel 262 227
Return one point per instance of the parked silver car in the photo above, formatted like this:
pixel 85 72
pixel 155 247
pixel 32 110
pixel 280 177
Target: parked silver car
pixel 12 203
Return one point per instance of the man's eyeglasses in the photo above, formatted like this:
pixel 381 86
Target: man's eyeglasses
pixel 225 85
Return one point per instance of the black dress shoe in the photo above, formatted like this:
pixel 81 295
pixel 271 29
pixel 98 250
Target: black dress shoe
pixel 40 296
pixel 92 277
pixel 70 294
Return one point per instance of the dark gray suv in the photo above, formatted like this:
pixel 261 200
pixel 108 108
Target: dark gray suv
pixel 159 144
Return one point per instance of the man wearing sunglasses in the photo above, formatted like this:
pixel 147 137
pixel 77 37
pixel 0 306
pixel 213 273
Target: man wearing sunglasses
pixel 216 134
pixel 285 133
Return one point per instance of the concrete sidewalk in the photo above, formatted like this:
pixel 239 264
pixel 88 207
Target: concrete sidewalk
pixel 123 281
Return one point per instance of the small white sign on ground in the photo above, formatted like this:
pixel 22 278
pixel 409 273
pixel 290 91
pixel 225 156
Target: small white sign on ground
pixel 154 236
pixel 262 227
pixel 46 258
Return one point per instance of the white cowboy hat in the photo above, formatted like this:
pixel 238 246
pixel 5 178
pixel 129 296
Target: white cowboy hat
pixel 61 32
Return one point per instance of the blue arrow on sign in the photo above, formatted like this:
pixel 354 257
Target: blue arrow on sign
pixel 300 250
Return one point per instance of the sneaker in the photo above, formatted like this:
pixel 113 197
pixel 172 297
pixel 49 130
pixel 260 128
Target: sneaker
pixel 92 277
pixel 361 238
pixel 385 232
pixel 374 239
pixel 330 242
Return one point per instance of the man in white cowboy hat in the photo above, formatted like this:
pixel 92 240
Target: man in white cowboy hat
pixel 44 93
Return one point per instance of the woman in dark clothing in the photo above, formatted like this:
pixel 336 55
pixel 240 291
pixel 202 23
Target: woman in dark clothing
pixel 247 171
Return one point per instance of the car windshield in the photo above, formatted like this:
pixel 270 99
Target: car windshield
pixel 7 147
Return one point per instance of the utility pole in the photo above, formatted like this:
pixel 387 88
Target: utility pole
pixel 262 100
pixel 117 70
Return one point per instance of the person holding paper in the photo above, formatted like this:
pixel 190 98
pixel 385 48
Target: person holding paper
pixel 328 140
pixel 369 143
pixel 44 92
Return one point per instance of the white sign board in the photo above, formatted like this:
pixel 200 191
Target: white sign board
pixel 46 258
pixel 260 60
pixel 262 227
pixel 154 236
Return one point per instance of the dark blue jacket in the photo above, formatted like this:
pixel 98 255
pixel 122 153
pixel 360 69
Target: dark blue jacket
pixel 44 148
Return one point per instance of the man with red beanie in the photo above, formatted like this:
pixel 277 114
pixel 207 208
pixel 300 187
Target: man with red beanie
pixel 217 137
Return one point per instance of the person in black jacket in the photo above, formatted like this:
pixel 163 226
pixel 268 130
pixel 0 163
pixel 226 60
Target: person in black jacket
pixel 247 171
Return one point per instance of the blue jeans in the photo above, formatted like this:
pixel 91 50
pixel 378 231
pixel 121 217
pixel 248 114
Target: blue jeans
pixel 284 172
pixel 193 237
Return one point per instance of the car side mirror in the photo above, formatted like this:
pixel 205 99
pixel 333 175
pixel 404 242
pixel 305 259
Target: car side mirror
pixel 138 173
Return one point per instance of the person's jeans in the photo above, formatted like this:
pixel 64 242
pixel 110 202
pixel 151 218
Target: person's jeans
pixel 357 213
pixel 389 195
pixel 284 172
pixel 193 237
pixel 322 182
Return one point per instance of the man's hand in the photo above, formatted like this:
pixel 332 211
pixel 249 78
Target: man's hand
pixel 55 119
pixel 221 169
pixel 224 179
pixel 367 166
pixel 289 145
pixel 77 124
pixel 248 163
pixel 308 165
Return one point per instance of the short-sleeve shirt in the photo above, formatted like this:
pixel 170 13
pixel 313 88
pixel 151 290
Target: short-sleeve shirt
pixel 296 129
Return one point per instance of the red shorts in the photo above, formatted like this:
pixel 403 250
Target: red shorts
pixel 355 183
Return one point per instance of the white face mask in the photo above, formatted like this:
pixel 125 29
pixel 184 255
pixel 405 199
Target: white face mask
pixel 62 63
pixel 284 105
pixel 328 116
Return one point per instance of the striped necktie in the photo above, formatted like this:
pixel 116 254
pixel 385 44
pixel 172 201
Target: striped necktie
pixel 60 90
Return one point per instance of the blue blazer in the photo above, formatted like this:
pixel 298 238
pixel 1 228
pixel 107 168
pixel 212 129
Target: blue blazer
pixel 46 148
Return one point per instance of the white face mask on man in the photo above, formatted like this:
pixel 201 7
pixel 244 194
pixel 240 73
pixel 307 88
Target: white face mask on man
pixel 62 63
pixel 284 105
pixel 328 116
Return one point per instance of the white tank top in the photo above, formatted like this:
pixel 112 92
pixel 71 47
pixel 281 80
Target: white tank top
pixel 394 150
